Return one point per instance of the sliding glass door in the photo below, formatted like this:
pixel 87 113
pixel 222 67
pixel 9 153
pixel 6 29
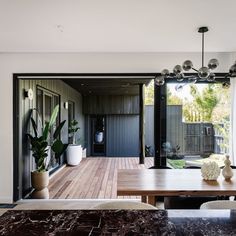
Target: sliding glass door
pixel 197 123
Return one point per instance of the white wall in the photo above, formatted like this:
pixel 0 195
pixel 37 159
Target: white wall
pixel 72 63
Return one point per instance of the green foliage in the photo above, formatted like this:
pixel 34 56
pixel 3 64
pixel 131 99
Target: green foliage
pixel 39 143
pixel 173 99
pixel 73 129
pixel 58 147
pixel 176 164
pixel 51 122
pixel 206 101
pixel 39 149
pixel 149 94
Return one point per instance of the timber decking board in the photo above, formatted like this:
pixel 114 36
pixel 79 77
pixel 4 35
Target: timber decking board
pixel 93 178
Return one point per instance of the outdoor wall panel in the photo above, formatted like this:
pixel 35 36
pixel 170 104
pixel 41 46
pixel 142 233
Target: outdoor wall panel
pixel 66 93
pixel 174 126
pixel 110 105
pixel 149 126
pixel 122 135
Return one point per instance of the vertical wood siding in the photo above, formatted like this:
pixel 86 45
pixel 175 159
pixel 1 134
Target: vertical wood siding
pixel 149 126
pixel 122 135
pixel 111 104
pixel 26 163
pixel 174 126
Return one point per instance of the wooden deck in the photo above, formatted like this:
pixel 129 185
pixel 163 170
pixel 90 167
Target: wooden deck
pixel 93 178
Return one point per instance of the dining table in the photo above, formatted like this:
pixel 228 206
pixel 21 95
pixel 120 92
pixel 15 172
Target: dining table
pixel 151 183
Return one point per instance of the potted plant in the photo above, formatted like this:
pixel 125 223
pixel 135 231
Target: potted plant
pixel 99 135
pixel 40 146
pixel 74 151
pixel 172 152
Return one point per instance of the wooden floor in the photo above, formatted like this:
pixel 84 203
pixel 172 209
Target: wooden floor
pixel 93 178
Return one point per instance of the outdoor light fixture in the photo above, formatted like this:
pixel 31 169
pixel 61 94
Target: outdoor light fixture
pixel 29 94
pixel 205 73
pixel 66 105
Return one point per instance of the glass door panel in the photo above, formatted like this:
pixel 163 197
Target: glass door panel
pixel 197 124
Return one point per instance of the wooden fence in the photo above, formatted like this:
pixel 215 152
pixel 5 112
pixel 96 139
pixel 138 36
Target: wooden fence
pixel 193 138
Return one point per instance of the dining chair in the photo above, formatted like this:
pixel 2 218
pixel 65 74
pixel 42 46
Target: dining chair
pixel 222 204
pixel 159 167
pixel 124 205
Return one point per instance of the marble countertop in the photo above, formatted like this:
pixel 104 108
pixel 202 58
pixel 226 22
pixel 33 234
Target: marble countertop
pixel 118 222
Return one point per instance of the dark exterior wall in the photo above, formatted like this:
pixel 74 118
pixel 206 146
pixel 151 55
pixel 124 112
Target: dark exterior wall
pixel 111 104
pixel 122 122
pixel 122 135
pixel 174 126
pixel 66 93
pixel 149 126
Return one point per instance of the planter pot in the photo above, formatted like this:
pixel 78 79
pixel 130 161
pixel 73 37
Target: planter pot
pixel 40 181
pixel 99 137
pixel 74 154
pixel 84 153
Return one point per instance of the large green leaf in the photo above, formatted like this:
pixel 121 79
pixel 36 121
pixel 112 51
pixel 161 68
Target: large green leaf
pixel 58 147
pixel 58 129
pixel 46 131
pixel 54 116
pixel 35 128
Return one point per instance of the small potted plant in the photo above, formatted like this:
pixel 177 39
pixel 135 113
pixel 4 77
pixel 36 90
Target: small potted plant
pixel 172 152
pixel 41 146
pixel 74 150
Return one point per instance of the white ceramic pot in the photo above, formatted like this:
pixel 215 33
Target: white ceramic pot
pixel 74 154
pixel 99 137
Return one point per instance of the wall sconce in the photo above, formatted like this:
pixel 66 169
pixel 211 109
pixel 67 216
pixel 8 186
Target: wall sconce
pixel 29 94
pixel 66 105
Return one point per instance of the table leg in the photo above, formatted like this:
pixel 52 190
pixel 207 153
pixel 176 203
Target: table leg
pixel 151 200
pixel 144 199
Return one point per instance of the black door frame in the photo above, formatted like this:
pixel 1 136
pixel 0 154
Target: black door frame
pixel 160 109
pixel 159 115
pixel 17 193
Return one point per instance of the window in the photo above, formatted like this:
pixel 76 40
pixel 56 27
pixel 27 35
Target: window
pixel 46 102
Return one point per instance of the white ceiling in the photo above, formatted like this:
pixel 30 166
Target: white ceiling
pixel 116 25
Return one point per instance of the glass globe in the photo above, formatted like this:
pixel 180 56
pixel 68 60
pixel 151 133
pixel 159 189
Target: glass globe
pixel 226 85
pixel 213 63
pixel 177 69
pixel 211 77
pixel 180 77
pixel 192 79
pixel 165 72
pixel 159 81
pixel 187 65
pixel 232 70
pixel 203 73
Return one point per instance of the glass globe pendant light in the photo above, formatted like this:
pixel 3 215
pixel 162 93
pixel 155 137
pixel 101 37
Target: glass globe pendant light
pixel 232 70
pixel 202 74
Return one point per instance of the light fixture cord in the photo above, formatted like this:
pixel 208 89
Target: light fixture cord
pixel 203 49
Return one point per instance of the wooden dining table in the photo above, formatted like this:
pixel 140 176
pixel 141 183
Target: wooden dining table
pixel 149 183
